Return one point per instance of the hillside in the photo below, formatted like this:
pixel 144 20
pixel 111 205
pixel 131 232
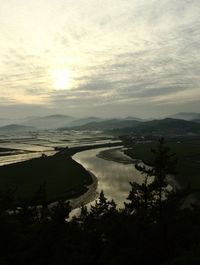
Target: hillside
pixel 106 125
pixel 82 121
pixel 197 120
pixel 49 122
pixel 15 128
pixel 188 116
pixel 162 127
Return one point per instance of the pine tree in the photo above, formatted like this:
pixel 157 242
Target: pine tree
pixel 60 212
pixel 147 199
pixel 102 206
pixel 164 164
pixel 140 200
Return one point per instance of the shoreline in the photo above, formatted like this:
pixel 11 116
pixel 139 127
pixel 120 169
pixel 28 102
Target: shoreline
pixel 116 155
pixel 125 159
pixel 91 194
pixel 77 197
pixel 87 197
pixel 70 151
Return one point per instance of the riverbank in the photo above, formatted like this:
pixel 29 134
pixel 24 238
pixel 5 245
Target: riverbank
pixel 73 150
pixel 118 155
pixel 187 153
pixel 64 177
pixel 89 196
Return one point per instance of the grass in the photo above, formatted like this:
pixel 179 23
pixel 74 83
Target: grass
pixel 64 177
pixel 187 151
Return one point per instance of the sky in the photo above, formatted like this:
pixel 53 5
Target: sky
pixel 99 57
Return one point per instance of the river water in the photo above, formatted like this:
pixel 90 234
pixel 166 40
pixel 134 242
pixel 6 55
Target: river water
pixel 113 177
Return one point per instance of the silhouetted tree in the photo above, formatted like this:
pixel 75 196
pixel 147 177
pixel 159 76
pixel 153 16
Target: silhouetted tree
pixel 141 198
pixel 102 206
pixel 153 228
pixel 60 212
pixel 152 193
pixel 40 199
pixel 164 164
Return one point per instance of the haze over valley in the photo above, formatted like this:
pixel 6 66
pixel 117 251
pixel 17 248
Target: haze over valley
pixel 100 132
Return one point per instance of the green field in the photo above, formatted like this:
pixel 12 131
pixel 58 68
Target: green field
pixel 64 177
pixel 187 151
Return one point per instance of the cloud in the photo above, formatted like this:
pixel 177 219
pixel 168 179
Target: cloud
pixel 118 52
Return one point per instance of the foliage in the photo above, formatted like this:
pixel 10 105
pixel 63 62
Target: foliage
pixel 187 151
pixel 153 228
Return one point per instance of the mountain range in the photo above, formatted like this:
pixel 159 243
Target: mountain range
pixel 167 127
pixel 49 122
pixel 188 116
pixel 105 125
pixel 180 122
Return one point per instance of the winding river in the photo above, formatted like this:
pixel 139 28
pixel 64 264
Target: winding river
pixel 113 177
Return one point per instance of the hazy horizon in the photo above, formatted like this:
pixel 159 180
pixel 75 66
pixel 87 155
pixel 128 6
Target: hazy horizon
pixel 112 58
pixel 24 117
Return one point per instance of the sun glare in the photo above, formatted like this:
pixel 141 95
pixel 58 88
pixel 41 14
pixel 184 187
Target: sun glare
pixel 61 79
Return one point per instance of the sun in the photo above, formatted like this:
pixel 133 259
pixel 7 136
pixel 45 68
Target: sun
pixel 61 79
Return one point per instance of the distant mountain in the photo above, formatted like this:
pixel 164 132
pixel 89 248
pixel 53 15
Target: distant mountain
pixel 188 116
pixel 133 118
pixel 49 122
pixel 166 126
pixel 15 128
pixel 8 121
pixel 82 121
pixel 106 125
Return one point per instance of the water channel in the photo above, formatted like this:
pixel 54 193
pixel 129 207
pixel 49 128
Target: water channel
pixel 113 177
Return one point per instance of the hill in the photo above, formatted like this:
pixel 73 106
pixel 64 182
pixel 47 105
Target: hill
pixel 49 122
pixel 82 121
pixel 106 125
pixel 15 128
pixel 197 120
pixel 166 126
pixel 188 116
pixel 133 118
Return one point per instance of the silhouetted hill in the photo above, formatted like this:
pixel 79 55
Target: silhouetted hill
pixel 106 125
pixel 166 126
pixel 82 121
pixel 15 128
pixel 160 127
pixel 197 120
pixel 188 116
pixel 133 118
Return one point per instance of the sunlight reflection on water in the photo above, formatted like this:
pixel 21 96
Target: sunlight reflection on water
pixel 113 178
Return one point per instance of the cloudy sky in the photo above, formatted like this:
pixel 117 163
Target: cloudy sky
pixel 99 57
